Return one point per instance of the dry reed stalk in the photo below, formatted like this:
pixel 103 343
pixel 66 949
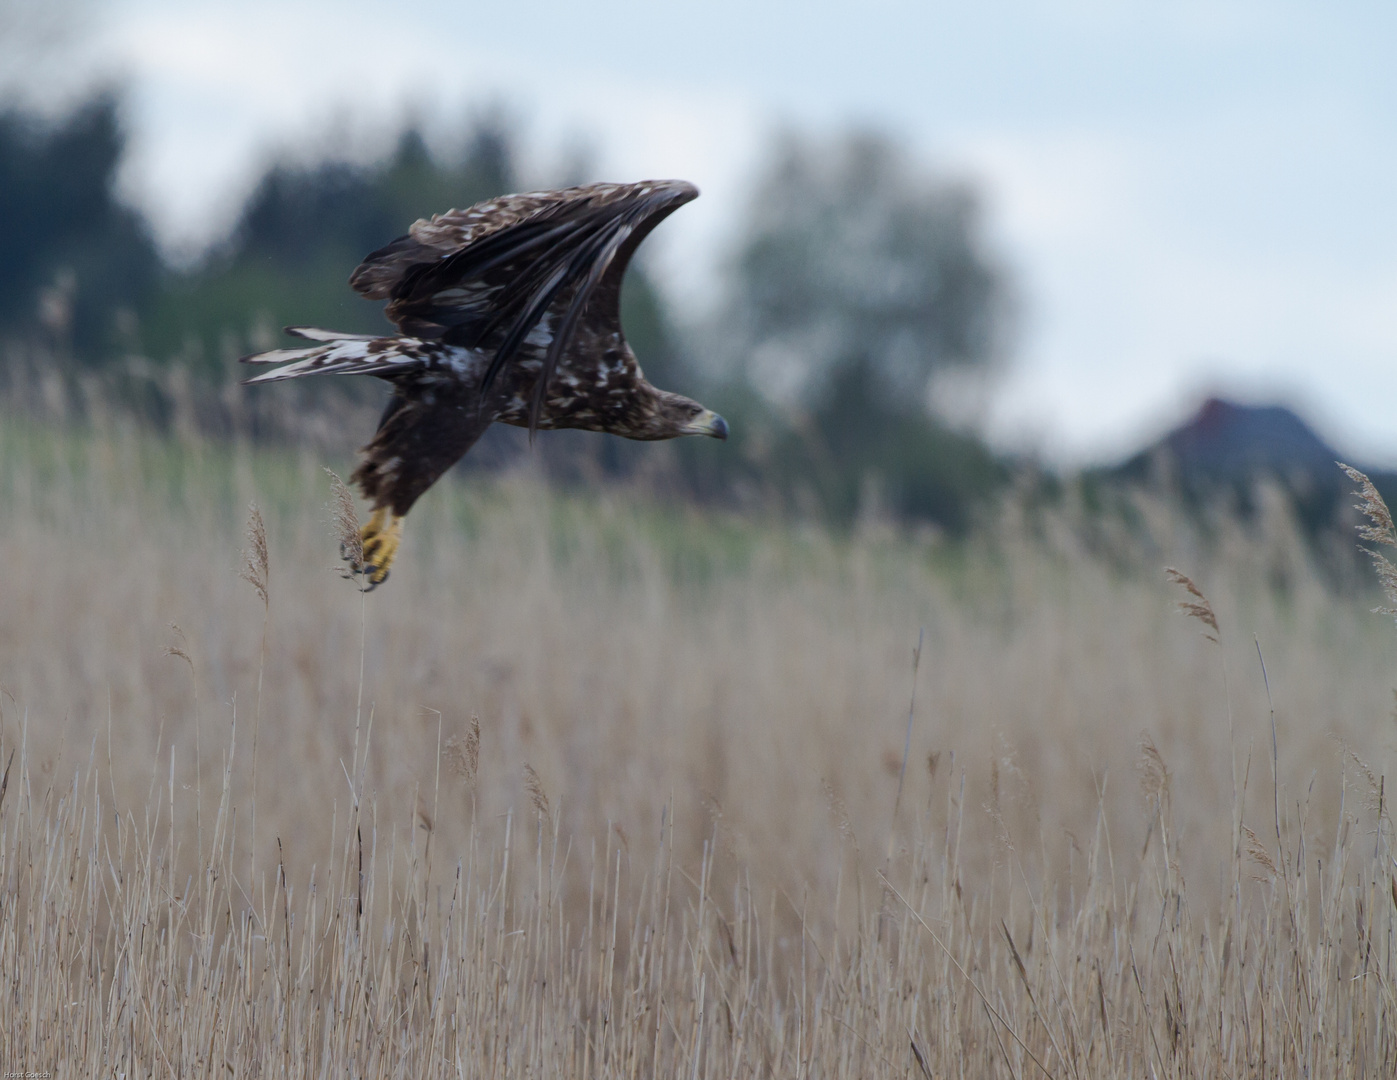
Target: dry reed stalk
pixel 256 571
pixel 907 741
pixel 179 651
pixel 651 955
pixel 622 989
pixel 1155 785
pixel 346 527
pixel 1201 608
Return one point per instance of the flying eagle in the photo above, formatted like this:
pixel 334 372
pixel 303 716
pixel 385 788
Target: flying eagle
pixel 508 311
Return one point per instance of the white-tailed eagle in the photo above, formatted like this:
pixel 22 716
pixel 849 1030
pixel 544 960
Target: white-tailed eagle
pixel 508 311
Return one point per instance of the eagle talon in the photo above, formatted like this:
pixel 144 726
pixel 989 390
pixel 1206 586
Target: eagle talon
pixel 379 541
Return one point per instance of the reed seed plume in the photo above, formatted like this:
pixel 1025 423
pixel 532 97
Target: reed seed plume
pixel 1200 609
pixel 462 752
pixel 178 648
pixel 1154 773
pixel 839 813
pixel 534 786
pixel 1374 785
pixel 1257 850
pixel 727 839
pixel 346 523
pixel 1379 530
pixel 255 569
pixel 1371 505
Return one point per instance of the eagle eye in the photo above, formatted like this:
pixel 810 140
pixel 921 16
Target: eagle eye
pixel 612 356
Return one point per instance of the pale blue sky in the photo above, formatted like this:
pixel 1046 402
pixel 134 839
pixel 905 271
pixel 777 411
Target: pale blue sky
pixel 1194 197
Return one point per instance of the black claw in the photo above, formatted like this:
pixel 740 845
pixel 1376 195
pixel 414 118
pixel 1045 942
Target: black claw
pixel 364 569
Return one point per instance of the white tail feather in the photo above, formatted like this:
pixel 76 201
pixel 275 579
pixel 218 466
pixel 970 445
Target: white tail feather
pixel 348 354
pixel 312 333
pixel 279 356
pixel 308 362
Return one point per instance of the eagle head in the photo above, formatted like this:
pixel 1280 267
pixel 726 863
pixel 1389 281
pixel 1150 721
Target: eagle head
pixel 654 414
pixel 673 415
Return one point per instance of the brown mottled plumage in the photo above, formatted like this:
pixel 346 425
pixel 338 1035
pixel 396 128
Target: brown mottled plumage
pixel 508 311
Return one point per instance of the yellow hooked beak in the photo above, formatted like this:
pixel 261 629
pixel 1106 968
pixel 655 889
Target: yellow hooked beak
pixel 708 423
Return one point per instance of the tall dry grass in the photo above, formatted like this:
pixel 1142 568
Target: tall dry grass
pixel 597 788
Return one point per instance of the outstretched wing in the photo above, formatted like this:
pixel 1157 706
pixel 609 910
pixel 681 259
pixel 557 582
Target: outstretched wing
pixel 520 269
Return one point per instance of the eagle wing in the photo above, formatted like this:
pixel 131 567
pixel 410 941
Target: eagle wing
pixel 520 268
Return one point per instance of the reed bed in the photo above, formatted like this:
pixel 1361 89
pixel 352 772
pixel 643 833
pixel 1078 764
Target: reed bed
pixel 599 787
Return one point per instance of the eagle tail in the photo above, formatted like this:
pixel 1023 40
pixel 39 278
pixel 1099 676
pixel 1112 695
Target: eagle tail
pixel 336 354
pixel 313 333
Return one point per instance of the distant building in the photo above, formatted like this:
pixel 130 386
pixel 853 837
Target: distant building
pixel 1223 452
pixel 1225 442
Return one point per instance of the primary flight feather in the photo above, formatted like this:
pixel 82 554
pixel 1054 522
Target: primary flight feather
pixel 508 311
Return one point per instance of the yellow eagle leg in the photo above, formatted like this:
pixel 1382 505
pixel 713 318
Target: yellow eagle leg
pixel 381 537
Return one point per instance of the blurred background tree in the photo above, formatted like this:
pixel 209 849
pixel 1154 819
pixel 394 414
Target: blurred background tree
pixel 863 283
pixel 76 266
pixel 853 257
